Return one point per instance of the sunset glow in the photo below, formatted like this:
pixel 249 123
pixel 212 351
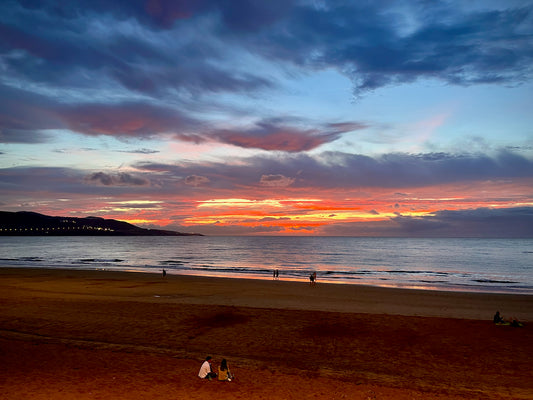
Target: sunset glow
pixel 278 118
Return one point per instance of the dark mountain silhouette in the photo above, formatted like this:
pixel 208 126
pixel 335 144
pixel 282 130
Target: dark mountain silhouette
pixel 25 223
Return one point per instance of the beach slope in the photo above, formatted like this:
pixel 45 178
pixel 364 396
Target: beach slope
pixel 107 335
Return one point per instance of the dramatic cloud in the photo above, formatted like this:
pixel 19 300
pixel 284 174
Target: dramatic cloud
pixel 350 171
pixel 298 172
pixel 85 45
pixel 320 113
pixel 378 43
pixel 120 179
pixel 73 44
pixel 276 135
pixel 137 119
pixel 272 138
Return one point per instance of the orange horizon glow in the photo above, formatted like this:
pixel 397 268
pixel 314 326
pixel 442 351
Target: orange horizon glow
pixel 300 214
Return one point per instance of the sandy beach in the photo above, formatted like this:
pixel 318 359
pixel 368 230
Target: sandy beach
pixel 108 335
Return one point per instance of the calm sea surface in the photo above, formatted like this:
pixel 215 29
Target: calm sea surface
pixel 493 265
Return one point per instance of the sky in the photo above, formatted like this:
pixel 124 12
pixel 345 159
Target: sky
pixel 279 117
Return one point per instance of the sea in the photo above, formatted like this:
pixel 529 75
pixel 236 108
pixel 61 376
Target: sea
pixel 473 265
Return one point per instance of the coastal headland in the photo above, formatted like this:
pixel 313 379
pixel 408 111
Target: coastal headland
pixel 24 223
pixel 109 335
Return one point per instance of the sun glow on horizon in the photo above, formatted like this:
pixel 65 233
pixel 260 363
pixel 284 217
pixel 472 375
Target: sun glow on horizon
pixel 247 203
pixel 304 215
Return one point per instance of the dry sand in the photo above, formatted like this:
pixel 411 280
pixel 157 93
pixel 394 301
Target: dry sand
pixel 107 335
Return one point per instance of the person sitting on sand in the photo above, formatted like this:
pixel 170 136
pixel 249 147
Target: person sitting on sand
pixel 205 370
pixel 498 319
pixel 224 373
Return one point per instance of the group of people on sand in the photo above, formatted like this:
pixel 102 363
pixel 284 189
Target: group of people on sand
pixel 206 372
pixel 499 320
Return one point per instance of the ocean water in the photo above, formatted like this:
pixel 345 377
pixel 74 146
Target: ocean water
pixel 489 265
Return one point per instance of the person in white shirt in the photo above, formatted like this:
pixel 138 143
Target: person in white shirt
pixel 205 370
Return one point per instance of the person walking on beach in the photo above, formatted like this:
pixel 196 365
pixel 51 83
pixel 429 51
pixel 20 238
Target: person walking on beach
pixel 224 373
pixel 205 370
pixel 312 278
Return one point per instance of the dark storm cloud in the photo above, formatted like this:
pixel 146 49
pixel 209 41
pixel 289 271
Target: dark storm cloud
pixel 481 222
pixel 375 43
pixel 81 45
pixel 164 14
pixel 382 43
pixel 485 222
pixel 154 52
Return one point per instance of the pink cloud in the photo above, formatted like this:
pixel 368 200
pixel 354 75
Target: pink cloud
pixel 275 135
pixel 124 119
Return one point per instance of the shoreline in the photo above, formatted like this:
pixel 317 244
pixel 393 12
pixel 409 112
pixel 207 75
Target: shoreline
pixel 107 335
pixel 485 266
pixel 426 286
pixel 282 294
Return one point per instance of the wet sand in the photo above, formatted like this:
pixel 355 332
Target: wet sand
pixel 107 335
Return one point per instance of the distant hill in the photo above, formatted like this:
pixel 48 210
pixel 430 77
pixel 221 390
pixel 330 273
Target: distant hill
pixel 25 223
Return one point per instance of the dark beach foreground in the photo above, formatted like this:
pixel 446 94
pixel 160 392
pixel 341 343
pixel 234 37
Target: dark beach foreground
pixel 107 335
